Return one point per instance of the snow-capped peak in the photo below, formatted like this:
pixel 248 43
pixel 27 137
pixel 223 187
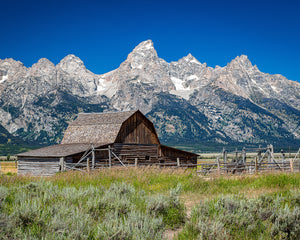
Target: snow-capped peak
pixel 146 45
pixel 190 58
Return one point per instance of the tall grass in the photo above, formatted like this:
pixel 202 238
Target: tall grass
pixel 160 180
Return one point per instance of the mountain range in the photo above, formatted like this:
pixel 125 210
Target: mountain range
pixel 188 101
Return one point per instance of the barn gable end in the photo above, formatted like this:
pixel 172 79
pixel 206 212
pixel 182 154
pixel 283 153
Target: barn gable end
pixel 137 129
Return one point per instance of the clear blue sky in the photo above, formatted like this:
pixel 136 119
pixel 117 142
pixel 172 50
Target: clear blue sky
pixel 103 33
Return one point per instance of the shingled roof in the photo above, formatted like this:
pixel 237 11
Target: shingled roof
pixel 95 127
pixel 61 150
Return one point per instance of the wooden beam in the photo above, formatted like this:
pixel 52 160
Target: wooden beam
pixel 244 155
pixel 109 156
pixel 62 164
pixel 93 156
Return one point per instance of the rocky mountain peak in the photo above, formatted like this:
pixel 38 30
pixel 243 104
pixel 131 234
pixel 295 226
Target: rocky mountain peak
pixel 191 59
pixel 43 63
pixel 9 62
pixel 241 61
pixel 142 54
pixel 144 46
pixel 71 63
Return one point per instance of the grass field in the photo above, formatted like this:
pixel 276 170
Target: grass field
pixel 8 167
pixel 149 203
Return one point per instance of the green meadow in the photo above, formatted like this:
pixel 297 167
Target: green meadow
pixel 150 203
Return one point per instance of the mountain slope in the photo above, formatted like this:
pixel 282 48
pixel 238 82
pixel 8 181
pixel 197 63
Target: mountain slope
pixel 187 100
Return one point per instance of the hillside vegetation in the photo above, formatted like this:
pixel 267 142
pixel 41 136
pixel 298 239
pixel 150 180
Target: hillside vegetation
pixel 145 203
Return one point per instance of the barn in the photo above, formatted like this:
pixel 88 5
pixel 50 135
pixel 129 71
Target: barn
pixel 99 140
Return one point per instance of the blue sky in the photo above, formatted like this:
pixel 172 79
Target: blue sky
pixel 103 33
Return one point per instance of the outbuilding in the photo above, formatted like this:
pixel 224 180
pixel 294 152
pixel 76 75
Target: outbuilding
pixel 98 140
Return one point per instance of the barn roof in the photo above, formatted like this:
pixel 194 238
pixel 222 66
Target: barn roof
pixel 61 150
pixel 95 127
pixel 178 150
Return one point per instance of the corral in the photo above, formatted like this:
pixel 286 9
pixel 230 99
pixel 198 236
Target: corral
pixel 99 140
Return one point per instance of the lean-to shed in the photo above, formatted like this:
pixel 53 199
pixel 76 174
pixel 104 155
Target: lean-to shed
pixel 127 138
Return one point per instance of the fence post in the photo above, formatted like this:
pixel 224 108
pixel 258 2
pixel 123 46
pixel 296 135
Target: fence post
pixel 135 162
pixel 282 159
pixel 93 156
pixel 178 162
pixel 282 155
pixel 269 155
pixel 224 155
pixel 62 164
pixel 218 162
pixel 109 156
pixel 244 154
pixel 259 155
pixel 292 165
pixel 256 167
pixel 88 164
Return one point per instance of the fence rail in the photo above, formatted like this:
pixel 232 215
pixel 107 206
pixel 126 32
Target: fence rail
pixel 208 168
pixel 247 168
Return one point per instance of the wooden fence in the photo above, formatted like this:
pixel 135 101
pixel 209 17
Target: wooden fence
pixel 238 162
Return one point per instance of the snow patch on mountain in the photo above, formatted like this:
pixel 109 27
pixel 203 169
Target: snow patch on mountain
pixel 275 89
pixel 106 87
pixel 195 61
pixel 4 78
pixel 180 89
pixel 148 45
pixel 192 77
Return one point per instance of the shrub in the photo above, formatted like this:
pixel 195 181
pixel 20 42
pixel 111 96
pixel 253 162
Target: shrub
pixel 169 207
pixel 136 225
pixel 240 218
pixel 3 195
pixel 286 223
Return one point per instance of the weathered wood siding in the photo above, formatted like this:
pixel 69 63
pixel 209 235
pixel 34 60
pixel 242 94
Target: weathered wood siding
pixel 137 129
pixel 169 154
pixel 38 166
pixel 136 149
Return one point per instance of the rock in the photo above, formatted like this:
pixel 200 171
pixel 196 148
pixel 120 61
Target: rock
pixel 187 100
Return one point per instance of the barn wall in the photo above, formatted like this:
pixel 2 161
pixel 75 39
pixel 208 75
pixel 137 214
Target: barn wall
pixel 137 129
pixel 145 153
pixel 136 149
pixel 171 155
pixel 38 166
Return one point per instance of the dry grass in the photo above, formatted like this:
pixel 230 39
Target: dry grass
pixel 8 167
pixel 160 180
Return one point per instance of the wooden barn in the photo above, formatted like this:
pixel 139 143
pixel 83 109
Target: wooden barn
pixel 96 140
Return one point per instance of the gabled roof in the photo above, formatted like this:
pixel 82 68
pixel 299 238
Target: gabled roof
pixel 61 150
pixel 95 127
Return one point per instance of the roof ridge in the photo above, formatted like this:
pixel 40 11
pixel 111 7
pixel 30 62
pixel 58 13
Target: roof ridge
pixel 110 112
